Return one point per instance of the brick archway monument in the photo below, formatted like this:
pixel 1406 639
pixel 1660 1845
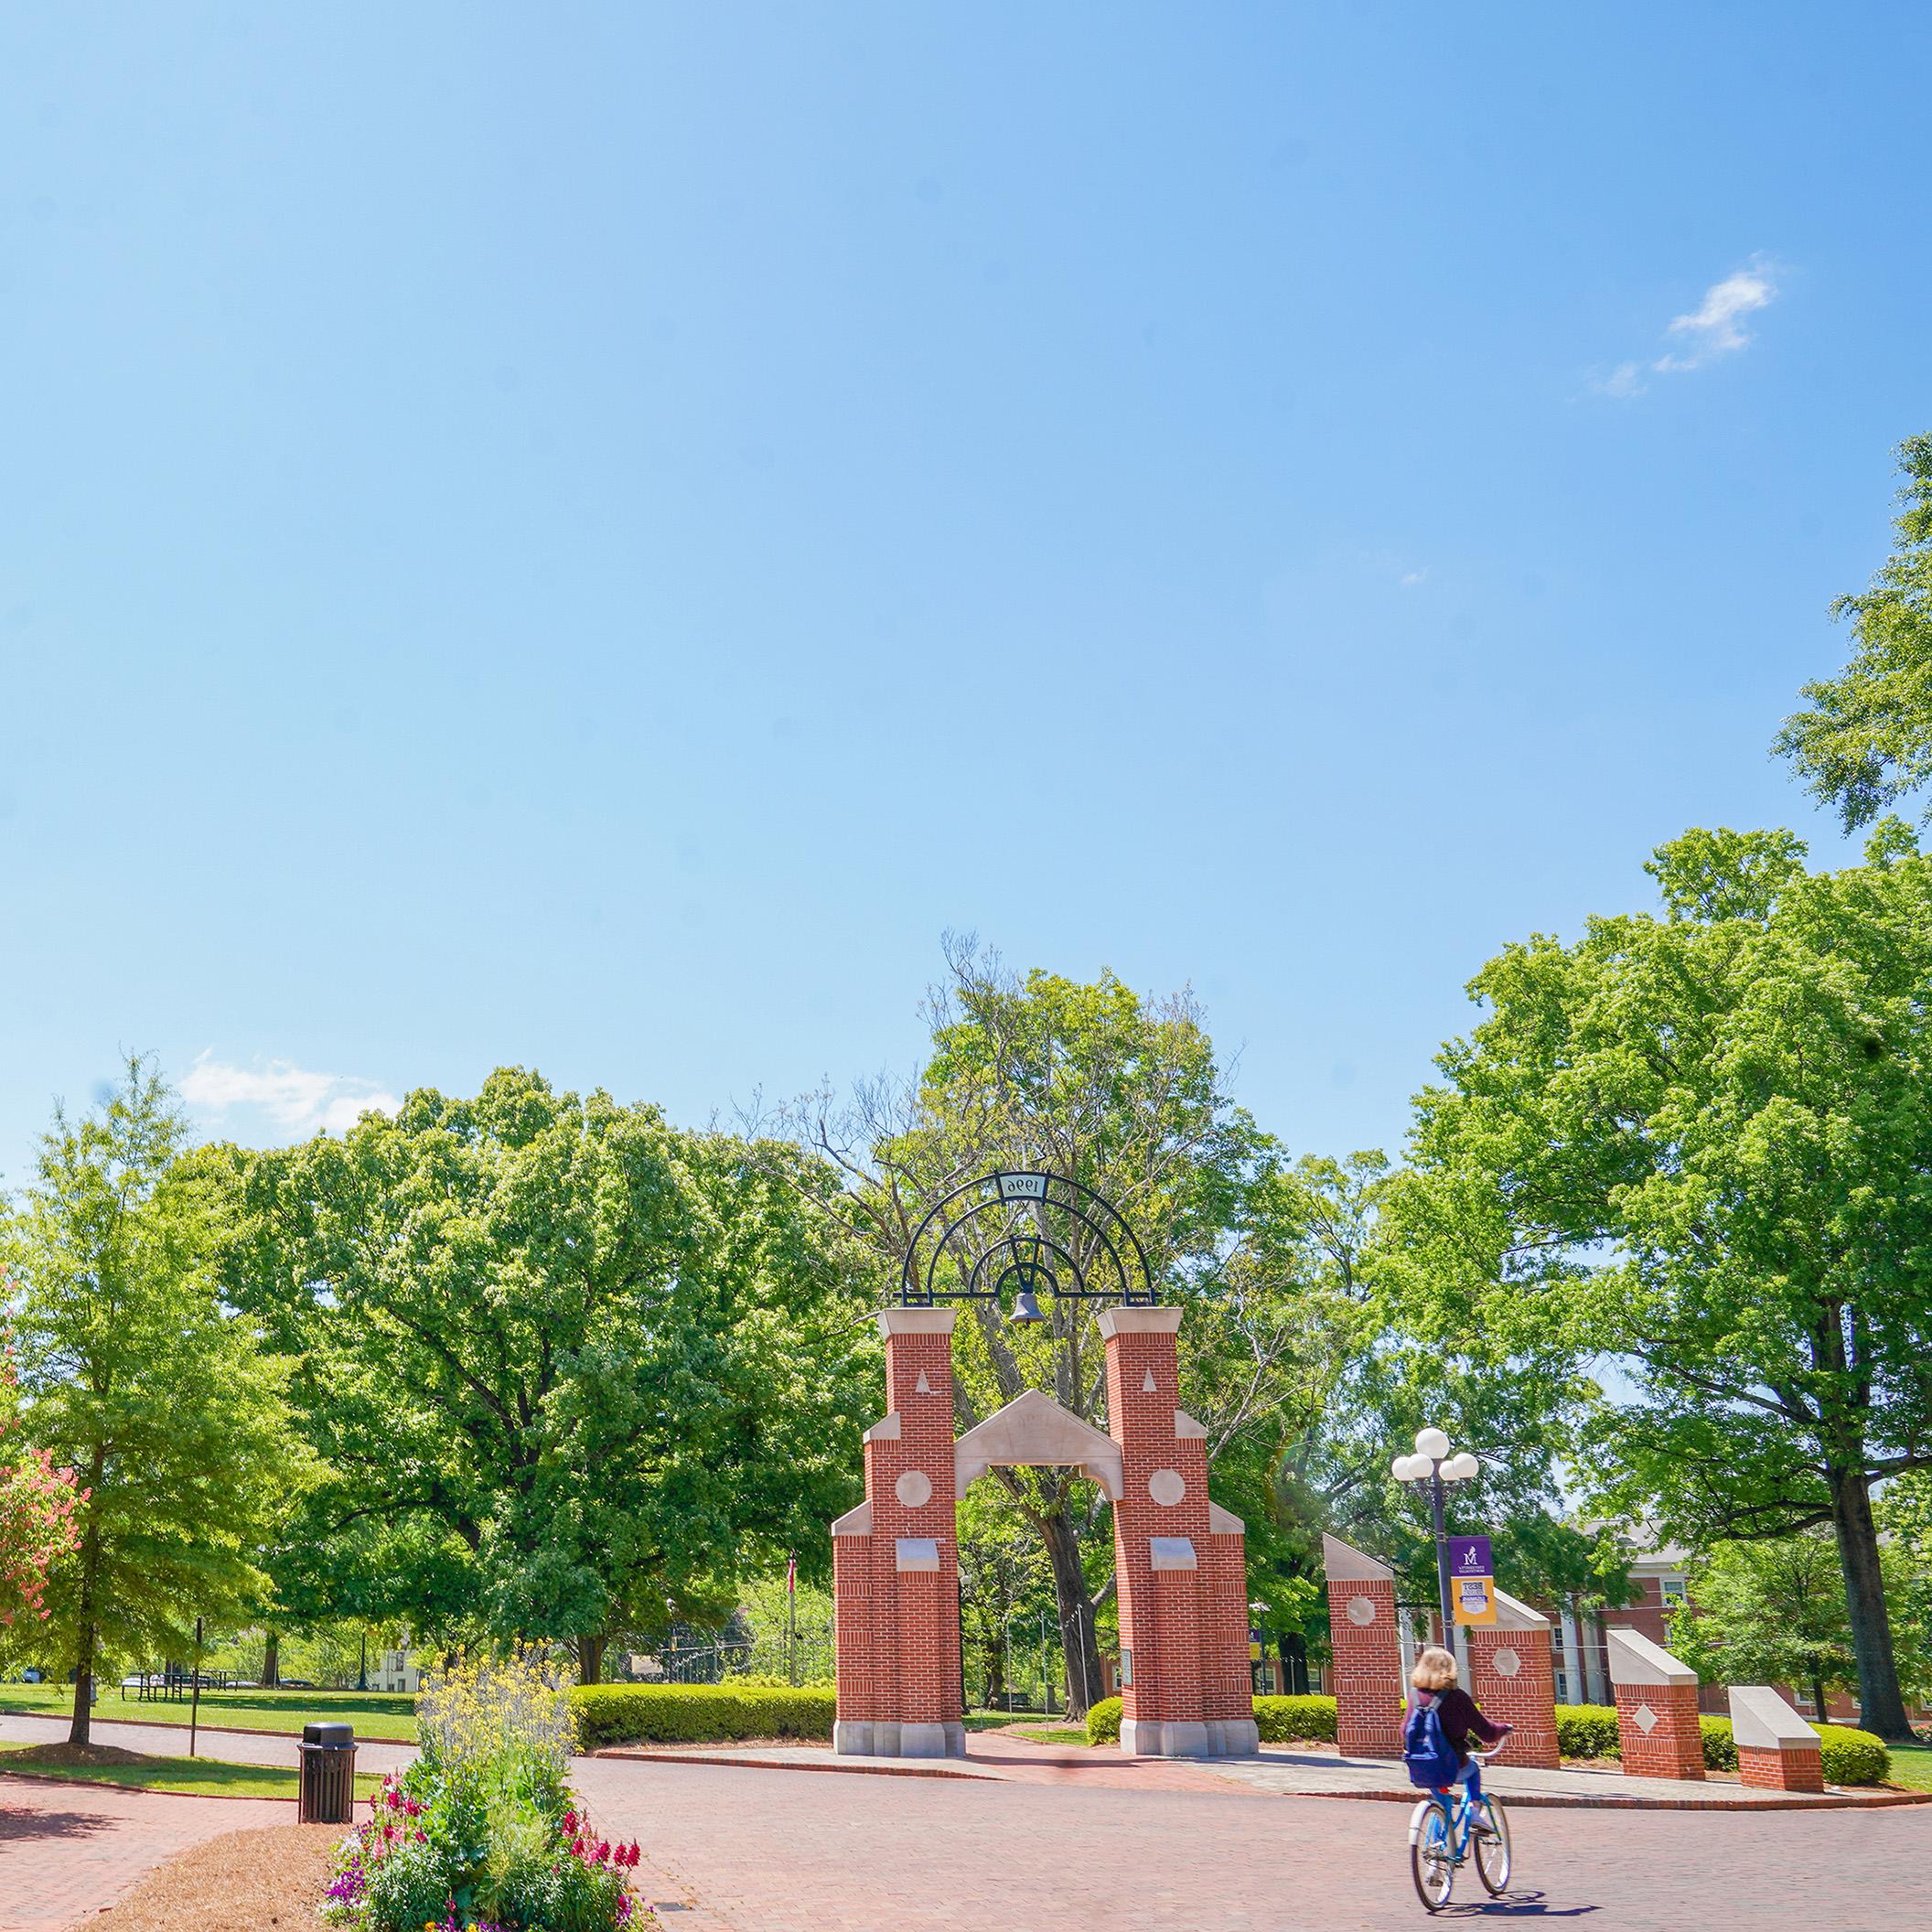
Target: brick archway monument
pixel 1179 1559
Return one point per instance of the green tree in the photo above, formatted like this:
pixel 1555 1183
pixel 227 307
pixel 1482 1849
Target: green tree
pixel 140 1377
pixel 1124 1095
pixel 1770 1613
pixel 561 1361
pixel 1695 1144
pixel 1866 740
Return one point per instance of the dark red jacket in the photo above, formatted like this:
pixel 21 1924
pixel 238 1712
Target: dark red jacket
pixel 1460 1718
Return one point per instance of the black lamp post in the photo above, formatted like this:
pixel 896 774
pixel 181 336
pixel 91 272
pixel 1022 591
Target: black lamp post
pixel 1431 1463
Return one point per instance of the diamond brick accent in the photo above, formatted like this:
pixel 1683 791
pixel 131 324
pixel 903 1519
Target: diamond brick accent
pixel 1645 1719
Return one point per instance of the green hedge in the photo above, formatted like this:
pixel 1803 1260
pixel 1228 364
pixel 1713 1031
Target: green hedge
pixel 1587 1731
pixel 698 1713
pixel 1294 1720
pixel 1850 1757
pixel 1103 1722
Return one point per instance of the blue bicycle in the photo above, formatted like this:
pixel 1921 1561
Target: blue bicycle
pixel 1445 1827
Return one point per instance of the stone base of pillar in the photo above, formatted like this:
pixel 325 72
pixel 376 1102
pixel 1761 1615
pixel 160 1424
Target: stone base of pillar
pixel 1196 1737
pixel 858 1738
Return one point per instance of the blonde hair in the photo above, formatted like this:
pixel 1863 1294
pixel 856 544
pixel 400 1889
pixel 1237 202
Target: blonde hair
pixel 1434 1670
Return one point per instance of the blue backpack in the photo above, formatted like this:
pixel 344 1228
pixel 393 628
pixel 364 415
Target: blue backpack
pixel 1425 1748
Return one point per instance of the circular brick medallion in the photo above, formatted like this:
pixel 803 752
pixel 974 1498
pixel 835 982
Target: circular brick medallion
pixel 914 1488
pixel 1166 1487
pixel 1362 1611
pixel 1507 1663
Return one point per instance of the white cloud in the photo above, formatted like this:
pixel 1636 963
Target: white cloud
pixel 292 1098
pixel 1715 327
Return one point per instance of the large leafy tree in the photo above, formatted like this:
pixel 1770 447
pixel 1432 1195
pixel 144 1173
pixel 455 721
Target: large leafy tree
pixel 1695 1142
pixel 561 1361
pixel 1865 740
pixel 1124 1095
pixel 1770 1613
pixel 140 1379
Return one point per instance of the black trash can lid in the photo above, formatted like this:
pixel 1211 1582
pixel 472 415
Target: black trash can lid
pixel 339 1735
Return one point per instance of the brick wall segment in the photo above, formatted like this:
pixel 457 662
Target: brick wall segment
pixel 1368 1672
pixel 1657 1708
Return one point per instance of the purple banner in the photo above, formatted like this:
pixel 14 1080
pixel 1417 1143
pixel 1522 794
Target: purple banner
pixel 1469 1556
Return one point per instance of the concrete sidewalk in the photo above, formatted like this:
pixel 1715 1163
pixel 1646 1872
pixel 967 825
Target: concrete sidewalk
pixel 1285 1770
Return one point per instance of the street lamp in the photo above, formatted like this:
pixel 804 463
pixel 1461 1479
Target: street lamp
pixel 1432 1463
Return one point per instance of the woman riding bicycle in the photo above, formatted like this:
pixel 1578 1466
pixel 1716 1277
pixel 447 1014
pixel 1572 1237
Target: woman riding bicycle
pixel 1434 1678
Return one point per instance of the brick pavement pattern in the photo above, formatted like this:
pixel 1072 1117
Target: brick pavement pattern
pixel 66 1851
pixel 754 1851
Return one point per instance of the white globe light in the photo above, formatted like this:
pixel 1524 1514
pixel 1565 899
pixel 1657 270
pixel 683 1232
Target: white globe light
pixel 1398 1468
pixel 1432 1444
pixel 1460 1468
pixel 1411 1468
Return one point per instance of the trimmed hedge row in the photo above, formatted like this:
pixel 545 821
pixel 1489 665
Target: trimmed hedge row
pixel 698 1713
pixel 1291 1719
pixel 1850 1757
pixel 1279 1720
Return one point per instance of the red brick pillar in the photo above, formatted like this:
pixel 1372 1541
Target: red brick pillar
pixel 1656 1708
pixel 1180 1563
pixel 1777 1749
pixel 1366 1651
pixel 895 1570
pixel 1510 1676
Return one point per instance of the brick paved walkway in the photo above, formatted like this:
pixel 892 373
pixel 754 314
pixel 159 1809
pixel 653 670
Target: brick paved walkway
pixel 751 1851
pixel 67 1851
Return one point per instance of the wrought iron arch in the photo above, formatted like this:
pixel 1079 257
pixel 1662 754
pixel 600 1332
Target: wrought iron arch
pixel 1034 1220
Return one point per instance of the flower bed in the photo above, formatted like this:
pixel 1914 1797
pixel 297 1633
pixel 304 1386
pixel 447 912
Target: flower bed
pixel 483 1833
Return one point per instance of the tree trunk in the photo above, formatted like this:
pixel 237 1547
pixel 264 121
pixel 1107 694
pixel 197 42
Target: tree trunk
pixel 1077 1639
pixel 271 1661
pixel 1881 1706
pixel 1818 1698
pixel 88 1639
pixel 590 1660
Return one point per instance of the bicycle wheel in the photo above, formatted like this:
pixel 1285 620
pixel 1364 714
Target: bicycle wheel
pixel 1431 1860
pixel 1491 1847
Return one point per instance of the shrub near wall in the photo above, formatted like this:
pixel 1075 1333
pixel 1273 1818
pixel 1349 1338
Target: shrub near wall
pixel 1279 1720
pixel 699 1713
pixel 1295 1719
pixel 1587 1731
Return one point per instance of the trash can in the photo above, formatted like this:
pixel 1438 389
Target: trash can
pixel 327 1753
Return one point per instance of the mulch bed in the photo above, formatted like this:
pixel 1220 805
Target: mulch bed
pixel 77 1757
pixel 240 1881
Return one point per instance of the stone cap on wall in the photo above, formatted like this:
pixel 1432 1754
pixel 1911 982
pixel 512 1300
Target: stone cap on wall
pixel 1344 1564
pixel 1223 1522
pixel 1635 1660
pixel 1762 1720
pixel 1139 1321
pixel 855 1522
pixel 917 1321
pixel 1512 1614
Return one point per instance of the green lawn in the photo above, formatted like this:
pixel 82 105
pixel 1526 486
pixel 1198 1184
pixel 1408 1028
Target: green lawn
pixel 1057 1735
pixel 1912 1765
pixel 999 1720
pixel 196 1776
pixel 373 1713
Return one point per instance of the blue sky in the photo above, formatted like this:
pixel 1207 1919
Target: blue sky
pixel 589 536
